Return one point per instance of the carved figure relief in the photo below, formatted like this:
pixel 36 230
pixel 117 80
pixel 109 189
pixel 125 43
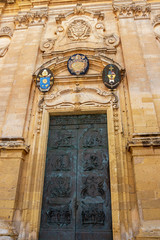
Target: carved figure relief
pixel 59 187
pixel 5 39
pixel 59 162
pixel 92 138
pixel 93 160
pixel 78 30
pixel 63 140
pixel 61 215
pixel 93 214
pixel 92 186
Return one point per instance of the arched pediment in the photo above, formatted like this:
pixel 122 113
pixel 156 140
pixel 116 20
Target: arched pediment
pixel 97 62
pixel 79 28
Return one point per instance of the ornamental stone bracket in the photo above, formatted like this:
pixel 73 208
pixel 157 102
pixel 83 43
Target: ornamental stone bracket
pixel 144 140
pixel 5 39
pixel 32 18
pixel 132 11
pixel 14 144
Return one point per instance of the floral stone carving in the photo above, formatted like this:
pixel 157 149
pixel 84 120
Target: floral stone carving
pixel 5 39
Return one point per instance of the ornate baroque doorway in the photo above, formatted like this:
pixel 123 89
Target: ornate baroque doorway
pixel 76 198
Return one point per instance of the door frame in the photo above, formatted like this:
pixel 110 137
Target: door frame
pixel 112 112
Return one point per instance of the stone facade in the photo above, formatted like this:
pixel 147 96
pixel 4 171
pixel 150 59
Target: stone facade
pixel 43 33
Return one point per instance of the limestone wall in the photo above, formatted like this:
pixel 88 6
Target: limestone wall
pixel 37 34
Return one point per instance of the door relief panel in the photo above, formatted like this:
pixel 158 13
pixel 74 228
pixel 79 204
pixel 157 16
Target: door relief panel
pixel 76 198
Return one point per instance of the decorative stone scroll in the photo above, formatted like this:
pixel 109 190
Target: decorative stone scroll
pixel 5 39
pixel 94 97
pixel 132 10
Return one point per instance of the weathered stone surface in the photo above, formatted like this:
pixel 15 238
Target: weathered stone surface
pixel 45 33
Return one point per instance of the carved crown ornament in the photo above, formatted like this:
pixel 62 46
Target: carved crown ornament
pixel 5 39
pixel 23 20
pixel 132 11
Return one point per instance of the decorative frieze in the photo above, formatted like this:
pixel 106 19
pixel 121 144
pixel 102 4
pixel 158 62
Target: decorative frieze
pixel 132 11
pixel 23 20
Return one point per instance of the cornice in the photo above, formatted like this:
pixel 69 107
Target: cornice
pixel 144 140
pixel 13 144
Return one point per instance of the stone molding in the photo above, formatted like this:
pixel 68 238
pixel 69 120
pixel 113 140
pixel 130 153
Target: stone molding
pixel 5 35
pixel 132 11
pixel 14 144
pixel 144 140
pixel 32 18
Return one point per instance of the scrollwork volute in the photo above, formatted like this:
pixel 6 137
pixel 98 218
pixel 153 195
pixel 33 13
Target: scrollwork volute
pixel 47 45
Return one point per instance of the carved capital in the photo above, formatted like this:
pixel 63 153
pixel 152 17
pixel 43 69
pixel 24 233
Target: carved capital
pixel 132 11
pixel 142 12
pixel 23 20
pixel 124 11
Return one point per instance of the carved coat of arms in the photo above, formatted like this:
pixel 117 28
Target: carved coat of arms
pixel 78 64
pixel 45 80
pixel 78 30
pixel 111 76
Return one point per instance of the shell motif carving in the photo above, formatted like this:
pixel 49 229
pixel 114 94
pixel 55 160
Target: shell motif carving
pixel 78 30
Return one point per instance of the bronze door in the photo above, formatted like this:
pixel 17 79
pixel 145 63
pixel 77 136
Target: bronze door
pixel 76 198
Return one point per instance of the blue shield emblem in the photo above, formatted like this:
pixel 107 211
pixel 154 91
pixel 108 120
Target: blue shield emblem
pixel 44 82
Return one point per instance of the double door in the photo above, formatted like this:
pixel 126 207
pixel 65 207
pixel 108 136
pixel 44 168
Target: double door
pixel 76 198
